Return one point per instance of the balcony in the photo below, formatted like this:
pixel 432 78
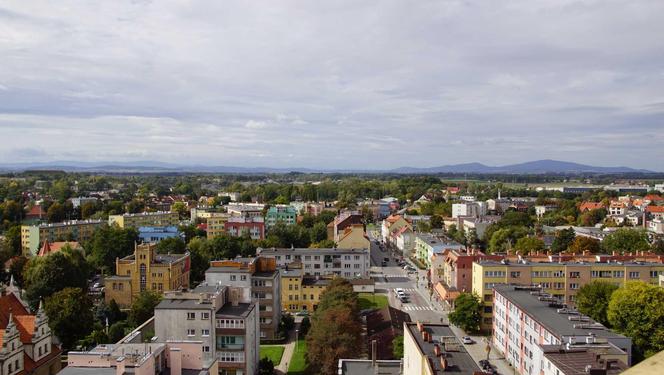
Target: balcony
pixel 230 347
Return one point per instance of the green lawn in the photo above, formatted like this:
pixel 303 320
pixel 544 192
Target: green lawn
pixel 371 301
pixel 274 352
pixel 298 365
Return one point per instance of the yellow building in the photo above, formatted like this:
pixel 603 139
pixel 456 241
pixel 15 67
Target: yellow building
pixel 145 219
pixel 301 292
pixel 146 270
pixel 216 224
pixel 33 236
pixel 353 237
pixel 562 280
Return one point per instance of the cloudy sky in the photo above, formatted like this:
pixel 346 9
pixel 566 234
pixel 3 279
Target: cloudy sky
pixel 333 84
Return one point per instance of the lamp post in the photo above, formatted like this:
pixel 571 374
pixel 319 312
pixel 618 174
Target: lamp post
pixel 296 339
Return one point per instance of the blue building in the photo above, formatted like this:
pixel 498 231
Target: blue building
pixel 156 234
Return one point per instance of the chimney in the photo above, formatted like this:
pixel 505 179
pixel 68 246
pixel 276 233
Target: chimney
pixel 120 366
pixel 373 353
pixel 176 361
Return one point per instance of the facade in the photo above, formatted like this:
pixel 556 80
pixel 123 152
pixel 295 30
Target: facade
pixel 146 270
pixel 26 341
pixel 246 209
pixel 254 227
pixel 79 201
pixel 529 323
pixel 562 279
pixel 347 263
pixel 428 245
pixel 156 234
pixel 280 214
pixel 353 237
pixel 386 206
pixel 478 224
pixel 145 219
pixel 342 221
pixel 392 224
pixel 260 280
pixel 430 349
pixel 404 240
pixel 216 224
pixel 33 236
pixel 468 209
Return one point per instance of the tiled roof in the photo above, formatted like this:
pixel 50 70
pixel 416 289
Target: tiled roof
pixel 655 209
pixel 52 247
pixel 26 325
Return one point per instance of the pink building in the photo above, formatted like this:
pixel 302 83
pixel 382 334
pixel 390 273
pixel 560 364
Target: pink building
pixel 239 226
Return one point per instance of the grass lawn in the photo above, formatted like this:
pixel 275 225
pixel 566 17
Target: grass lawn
pixel 371 301
pixel 274 352
pixel 298 365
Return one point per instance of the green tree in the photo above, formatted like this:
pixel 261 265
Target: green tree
pixel 593 299
pixel 626 240
pixel 436 221
pixel 17 270
pixel 13 239
pixel 143 306
pixel 563 240
pixel 181 209
pixel 265 366
pixel 55 213
pixel 108 243
pixel 47 275
pixel 335 333
pixel 527 245
pixel 637 311
pixel 467 312
pixel 397 347
pixel 69 314
pixel 88 209
pixel 582 243
pixel 318 232
pixel 339 292
pixel 305 325
pixel 173 245
pixel 117 331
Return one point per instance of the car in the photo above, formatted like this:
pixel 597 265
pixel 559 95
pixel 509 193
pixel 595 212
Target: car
pixel 467 340
pixel 398 290
pixel 302 313
pixel 402 297
pixel 383 264
pixel 386 259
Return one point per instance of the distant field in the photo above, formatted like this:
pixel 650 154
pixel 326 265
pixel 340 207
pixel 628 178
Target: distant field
pixel 371 301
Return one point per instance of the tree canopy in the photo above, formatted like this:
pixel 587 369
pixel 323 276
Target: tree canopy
pixel 69 314
pixel 593 299
pixel 467 312
pixel 626 240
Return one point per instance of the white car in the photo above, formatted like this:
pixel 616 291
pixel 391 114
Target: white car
pixel 399 291
pixel 467 340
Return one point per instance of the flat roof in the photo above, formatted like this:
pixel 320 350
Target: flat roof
pixel 183 304
pixel 242 309
pixel 486 262
pixel 365 366
pixel 549 317
pixel 575 360
pixel 458 361
pixel 313 251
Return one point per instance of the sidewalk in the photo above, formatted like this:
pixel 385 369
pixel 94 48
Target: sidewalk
pixel 478 352
pixel 289 348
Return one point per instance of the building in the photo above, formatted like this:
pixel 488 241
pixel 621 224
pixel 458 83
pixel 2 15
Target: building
pixel 342 221
pixel 79 201
pixel 219 318
pixel 260 279
pixel 478 224
pixel 468 209
pixel 246 209
pixel 280 214
pixel 145 219
pixel 540 210
pixel 170 357
pixel 353 237
pixel 347 263
pixel 559 277
pixel 368 366
pixel 656 226
pixel 216 224
pixel 32 236
pixel 404 240
pixel 53 247
pixel 391 225
pixel 428 245
pixel 146 270
pixel 253 227
pixel 535 331
pixel 430 349
pixel 386 206
pixel 26 341
pixel 156 234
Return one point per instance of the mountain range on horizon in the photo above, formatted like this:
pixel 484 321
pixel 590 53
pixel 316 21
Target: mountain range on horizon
pixel 149 166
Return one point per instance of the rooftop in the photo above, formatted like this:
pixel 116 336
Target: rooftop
pixel 314 251
pixel 242 309
pixel 458 359
pixel 366 366
pixel 574 361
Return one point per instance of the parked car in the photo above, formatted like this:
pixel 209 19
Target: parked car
pixel 402 297
pixel 467 340
pixel 383 264
pixel 399 291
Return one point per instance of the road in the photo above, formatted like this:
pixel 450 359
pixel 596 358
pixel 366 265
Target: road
pixel 420 305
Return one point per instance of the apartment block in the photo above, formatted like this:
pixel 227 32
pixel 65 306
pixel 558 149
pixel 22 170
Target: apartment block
pixel 32 236
pixel 216 224
pixel 430 349
pixel 260 280
pixel 156 234
pixel 342 221
pixel 253 227
pixel 280 213
pixel 538 334
pixel 353 237
pixel 147 270
pixel 428 245
pixel 393 224
pixel 347 263
pixel 246 209
pixel 145 219
pixel 560 279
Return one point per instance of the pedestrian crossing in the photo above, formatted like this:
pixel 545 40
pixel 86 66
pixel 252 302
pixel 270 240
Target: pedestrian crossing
pixel 417 308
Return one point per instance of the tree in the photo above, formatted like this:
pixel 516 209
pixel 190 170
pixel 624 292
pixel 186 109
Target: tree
pixel 109 243
pixel 436 221
pixel 626 240
pixel 117 331
pixel 562 240
pixel 181 209
pixel 69 314
pixel 88 209
pixel 336 333
pixel 339 292
pixel 55 213
pixel 397 346
pixel 305 325
pixel 527 245
pixel 47 275
pixel 17 270
pixel 173 245
pixel 593 299
pixel 265 366
pixel 143 306
pixel 318 232
pixel 467 312
pixel 13 239
pixel 582 243
pixel 199 256
pixel 658 246
pixel 637 311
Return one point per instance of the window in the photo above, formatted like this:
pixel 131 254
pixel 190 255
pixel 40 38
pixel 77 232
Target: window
pixel 347 265
pixel 143 277
pixel 618 273
pixel 515 274
pixel 634 275
pixel 205 332
pixel 243 277
pixel 574 286
pixel 206 349
pixel 191 316
pixel 574 275
pixel 191 332
pixel 233 277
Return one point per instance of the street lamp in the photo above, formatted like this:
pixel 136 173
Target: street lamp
pixel 296 339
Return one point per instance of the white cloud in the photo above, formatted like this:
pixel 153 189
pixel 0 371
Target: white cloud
pixel 253 124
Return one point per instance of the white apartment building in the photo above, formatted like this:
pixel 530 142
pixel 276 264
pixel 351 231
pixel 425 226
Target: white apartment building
pixel 347 263
pixel 473 209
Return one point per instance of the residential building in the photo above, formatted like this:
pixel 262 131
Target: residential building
pixel 368 366
pixel 430 349
pixel 391 225
pixel 618 208
pixel 26 341
pixel 428 245
pixel 404 240
pixel 254 227
pixel 246 209
pixel 79 201
pixel 33 236
pixel 656 226
pixel 478 224
pixel 468 209
pixel 347 263
pixel 233 195
pixel 146 270
pixel 540 210
pixel 280 213
pixel 386 206
pixel 225 324
pixel 156 234
pixel 260 278
pixel 558 277
pixel 53 247
pixel 656 212
pixel 342 221
pixel 353 237
pixel 530 326
pixel 204 213
pixel 145 219
pixel 589 206
pixel 216 224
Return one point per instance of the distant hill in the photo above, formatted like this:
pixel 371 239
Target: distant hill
pixel 531 167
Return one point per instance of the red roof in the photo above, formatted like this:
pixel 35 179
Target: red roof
pixel 653 198
pixel 52 247
pixel 655 209
pixel 587 206
pixel 10 304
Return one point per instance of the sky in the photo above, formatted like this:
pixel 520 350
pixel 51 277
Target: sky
pixel 333 84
